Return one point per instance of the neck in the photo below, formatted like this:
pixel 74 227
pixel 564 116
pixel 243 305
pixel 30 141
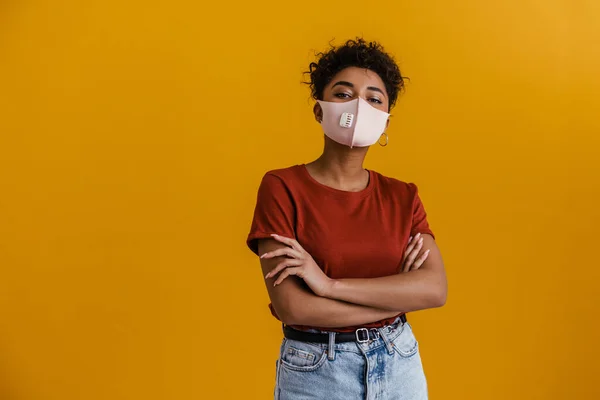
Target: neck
pixel 341 166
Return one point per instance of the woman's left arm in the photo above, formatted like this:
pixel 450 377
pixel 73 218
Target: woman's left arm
pixel 423 288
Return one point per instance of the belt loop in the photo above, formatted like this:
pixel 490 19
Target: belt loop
pixel 331 347
pixel 383 333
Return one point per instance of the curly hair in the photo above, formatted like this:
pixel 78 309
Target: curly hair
pixel 355 53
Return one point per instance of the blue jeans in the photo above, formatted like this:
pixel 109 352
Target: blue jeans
pixel 388 367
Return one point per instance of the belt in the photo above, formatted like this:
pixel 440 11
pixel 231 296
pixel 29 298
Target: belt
pixel 360 335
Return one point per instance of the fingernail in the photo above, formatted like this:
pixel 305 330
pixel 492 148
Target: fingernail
pixel 267 275
pixel 274 234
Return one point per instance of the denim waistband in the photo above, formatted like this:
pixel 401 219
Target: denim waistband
pixel 390 332
pixel 393 325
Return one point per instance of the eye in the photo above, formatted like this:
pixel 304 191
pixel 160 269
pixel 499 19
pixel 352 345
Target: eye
pixel 375 100
pixel 342 95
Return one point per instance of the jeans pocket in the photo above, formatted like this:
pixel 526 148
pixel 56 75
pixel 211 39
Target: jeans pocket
pixel 406 343
pixel 301 356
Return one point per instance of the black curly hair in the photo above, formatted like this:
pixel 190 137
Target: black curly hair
pixel 355 53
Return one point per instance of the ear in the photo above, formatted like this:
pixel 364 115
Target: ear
pixel 387 123
pixel 318 111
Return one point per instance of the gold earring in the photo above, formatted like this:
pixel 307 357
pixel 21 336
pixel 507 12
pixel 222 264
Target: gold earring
pixel 386 140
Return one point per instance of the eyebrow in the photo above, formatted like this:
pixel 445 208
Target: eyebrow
pixel 349 84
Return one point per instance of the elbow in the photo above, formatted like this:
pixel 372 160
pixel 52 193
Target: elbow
pixel 289 318
pixel 439 296
pixel 289 314
pixel 438 293
pixel 439 300
pixel 284 315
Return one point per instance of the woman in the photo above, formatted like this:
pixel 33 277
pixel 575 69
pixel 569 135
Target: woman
pixel 346 251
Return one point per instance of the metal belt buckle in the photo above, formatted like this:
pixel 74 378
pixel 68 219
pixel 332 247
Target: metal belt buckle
pixel 375 333
pixel 366 333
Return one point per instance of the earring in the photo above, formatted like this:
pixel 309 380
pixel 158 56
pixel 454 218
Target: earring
pixel 386 140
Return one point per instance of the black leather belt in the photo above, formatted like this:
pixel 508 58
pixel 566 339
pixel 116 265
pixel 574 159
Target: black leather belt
pixel 360 335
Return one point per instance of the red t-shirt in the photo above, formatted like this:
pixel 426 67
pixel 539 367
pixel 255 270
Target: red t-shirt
pixel 349 234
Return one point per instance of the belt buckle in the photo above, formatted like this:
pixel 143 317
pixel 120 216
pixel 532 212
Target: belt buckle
pixel 358 339
pixel 375 333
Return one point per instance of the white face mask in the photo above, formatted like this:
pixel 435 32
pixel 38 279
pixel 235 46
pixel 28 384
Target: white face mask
pixel 353 123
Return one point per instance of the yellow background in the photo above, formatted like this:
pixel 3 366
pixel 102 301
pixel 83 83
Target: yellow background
pixel 133 136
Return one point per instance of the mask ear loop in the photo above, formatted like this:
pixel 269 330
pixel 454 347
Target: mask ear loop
pixel 386 140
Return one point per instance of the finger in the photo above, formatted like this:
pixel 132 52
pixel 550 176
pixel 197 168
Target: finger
pixel 408 247
pixel 286 251
pixel 405 264
pixel 286 273
pixel 411 245
pixel 417 237
pixel 288 241
pixel 416 249
pixel 419 261
pixel 404 267
pixel 290 262
pixel 410 251
pixel 413 254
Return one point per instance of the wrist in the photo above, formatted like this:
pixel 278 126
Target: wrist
pixel 331 288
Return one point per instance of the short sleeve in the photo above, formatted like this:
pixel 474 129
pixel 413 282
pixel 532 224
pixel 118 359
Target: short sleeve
pixel 419 222
pixel 274 212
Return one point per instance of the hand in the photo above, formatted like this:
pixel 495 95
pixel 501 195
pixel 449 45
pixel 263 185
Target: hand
pixel 298 262
pixel 412 261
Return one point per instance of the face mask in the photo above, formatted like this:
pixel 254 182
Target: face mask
pixel 353 123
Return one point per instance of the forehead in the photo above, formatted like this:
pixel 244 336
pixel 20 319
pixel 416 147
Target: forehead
pixel 359 77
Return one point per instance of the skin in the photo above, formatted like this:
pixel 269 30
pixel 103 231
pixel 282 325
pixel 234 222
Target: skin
pixel 296 304
pixel 299 290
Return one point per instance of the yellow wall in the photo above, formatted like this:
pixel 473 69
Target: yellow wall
pixel 133 136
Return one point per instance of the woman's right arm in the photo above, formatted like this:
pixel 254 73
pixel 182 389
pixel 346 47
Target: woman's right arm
pixel 297 305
